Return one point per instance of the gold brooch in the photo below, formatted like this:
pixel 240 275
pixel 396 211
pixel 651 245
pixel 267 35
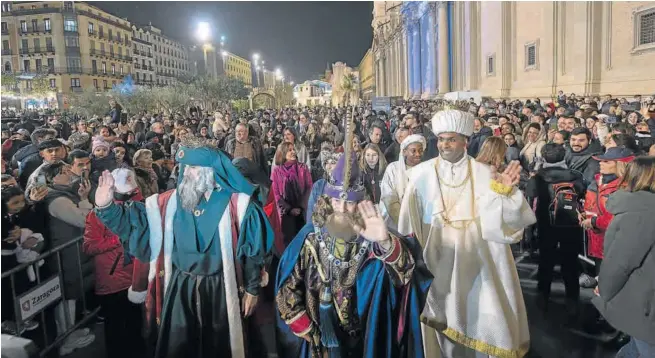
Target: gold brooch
pixel 198 212
pixel 180 154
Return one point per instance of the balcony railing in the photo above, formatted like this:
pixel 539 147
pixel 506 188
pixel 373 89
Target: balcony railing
pixel 76 89
pixel 46 49
pixel 137 66
pixel 25 51
pixel 93 33
pixel 5 31
pixel 101 35
pixel 6 51
pixel 38 30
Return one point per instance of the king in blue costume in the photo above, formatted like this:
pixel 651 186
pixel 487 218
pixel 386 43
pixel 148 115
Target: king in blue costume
pixel 206 262
pixel 361 296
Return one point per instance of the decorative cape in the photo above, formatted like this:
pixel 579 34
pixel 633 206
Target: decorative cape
pixel 390 315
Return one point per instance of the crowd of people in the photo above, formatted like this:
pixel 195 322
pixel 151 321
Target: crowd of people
pixel 346 227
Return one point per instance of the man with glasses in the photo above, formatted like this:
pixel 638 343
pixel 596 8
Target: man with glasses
pixel 465 215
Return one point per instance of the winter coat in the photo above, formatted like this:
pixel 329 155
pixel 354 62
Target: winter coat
pixel 595 202
pixel 61 232
pixel 627 276
pixel 146 180
pixel 476 140
pixel 24 153
pixel 583 162
pixel 540 187
pixel 112 273
pixel 257 152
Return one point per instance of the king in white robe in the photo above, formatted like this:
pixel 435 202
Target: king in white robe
pixel 475 301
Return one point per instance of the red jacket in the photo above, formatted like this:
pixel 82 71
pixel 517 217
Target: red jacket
pixel 112 275
pixel 594 205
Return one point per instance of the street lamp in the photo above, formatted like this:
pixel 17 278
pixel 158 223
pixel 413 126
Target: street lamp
pixel 203 32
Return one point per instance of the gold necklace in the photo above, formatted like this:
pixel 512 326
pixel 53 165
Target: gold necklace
pixel 468 174
pixel 444 215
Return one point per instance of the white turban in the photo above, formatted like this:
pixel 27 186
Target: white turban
pixel 453 121
pixel 414 138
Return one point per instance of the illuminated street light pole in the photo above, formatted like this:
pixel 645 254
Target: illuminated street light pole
pixel 203 33
pixel 255 58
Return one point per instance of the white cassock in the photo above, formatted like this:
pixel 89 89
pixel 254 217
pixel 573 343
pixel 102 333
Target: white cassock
pixel 394 181
pixel 475 301
pixel 392 188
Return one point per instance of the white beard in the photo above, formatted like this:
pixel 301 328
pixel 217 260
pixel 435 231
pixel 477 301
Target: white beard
pixel 191 191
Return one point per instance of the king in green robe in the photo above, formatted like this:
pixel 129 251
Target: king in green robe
pixel 206 242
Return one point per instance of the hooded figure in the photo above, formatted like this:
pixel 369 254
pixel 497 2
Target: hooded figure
pixel 206 242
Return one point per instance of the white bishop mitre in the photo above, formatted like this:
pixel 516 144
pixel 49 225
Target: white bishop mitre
pixel 453 120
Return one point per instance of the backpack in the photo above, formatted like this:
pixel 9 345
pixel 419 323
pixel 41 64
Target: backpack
pixel 564 208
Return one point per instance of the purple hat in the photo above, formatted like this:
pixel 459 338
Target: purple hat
pixel 345 181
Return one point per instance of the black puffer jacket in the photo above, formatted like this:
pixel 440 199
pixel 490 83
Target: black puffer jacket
pixel 627 275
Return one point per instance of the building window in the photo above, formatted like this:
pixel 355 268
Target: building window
pixel 23 26
pixel 104 67
pixel 91 29
pixel 75 82
pixel 26 65
pixel 53 83
pixel 70 25
pixel 121 69
pixel 110 34
pixel 647 28
pixel 532 55
pixel 35 25
pixel 94 66
pixel 46 25
pixel 4 27
pixel 104 84
pixel 48 44
pixel 95 83
pixel 39 65
pixel 113 68
pixel 644 29
pixel 51 64
pixel 7 66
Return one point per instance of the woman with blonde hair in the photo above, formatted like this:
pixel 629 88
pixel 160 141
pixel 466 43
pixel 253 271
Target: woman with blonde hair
pixel 492 153
pixel 626 283
pixel 373 164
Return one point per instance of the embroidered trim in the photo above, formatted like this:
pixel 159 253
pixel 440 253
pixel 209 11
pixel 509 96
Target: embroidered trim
pixel 501 188
pixel 391 255
pixel 484 347
pixel 301 324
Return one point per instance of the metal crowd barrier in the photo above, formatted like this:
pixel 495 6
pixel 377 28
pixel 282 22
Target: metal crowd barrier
pixel 46 293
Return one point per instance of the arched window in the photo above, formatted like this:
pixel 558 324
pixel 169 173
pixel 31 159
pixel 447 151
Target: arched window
pixel 7 66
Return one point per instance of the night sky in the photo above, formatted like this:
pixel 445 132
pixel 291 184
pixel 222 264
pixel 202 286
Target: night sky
pixel 299 37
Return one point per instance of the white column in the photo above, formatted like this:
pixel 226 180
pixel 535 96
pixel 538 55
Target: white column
pixel 404 66
pixel 444 83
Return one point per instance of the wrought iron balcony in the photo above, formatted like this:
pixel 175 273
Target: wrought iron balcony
pixel 38 30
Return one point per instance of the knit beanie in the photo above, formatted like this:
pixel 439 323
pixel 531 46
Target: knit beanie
pixel 97 143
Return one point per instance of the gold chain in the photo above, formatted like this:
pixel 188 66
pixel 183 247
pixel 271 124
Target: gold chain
pixel 444 215
pixel 468 175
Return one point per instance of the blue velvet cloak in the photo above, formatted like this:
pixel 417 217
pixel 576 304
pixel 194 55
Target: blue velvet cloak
pixel 378 304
